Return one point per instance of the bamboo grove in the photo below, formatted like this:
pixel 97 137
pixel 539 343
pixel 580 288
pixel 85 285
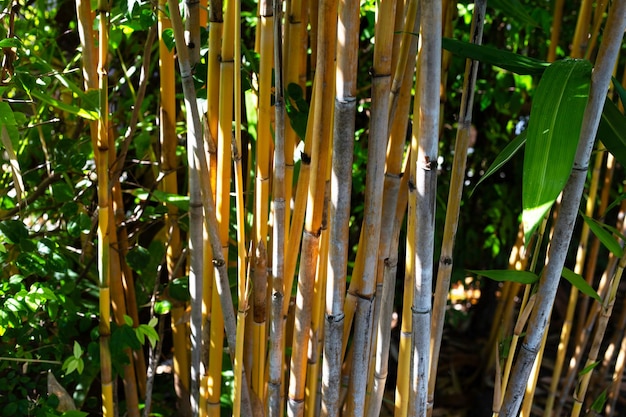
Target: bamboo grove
pixel 253 168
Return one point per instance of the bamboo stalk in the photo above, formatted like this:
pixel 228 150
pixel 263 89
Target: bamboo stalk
pixel 601 76
pixel 555 29
pixel 581 35
pixel 102 167
pixel 620 368
pixel 427 112
pixel 454 199
pixel 573 298
pixel 320 137
pixel 277 329
pixel 607 308
pixel 169 162
pixel 192 29
pixel 340 189
pixel 371 227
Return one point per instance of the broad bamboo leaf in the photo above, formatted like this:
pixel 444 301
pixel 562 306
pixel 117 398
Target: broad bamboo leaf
pixel 523 277
pixel 579 282
pixel 601 232
pixel 513 9
pixel 510 61
pixel 180 201
pixel 503 157
pixel 553 132
pixel 612 131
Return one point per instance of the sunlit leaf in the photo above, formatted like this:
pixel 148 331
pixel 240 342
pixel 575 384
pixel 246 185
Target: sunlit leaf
pixel 501 275
pixel 579 282
pixel 553 132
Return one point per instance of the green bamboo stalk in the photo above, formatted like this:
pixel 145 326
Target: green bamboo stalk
pixel 548 283
pixel 453 207
pixel 427 112
pixel 340 189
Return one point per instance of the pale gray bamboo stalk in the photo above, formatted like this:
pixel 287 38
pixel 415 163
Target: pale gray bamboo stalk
pixel 372 214
pixel 453 207
pixel 192 29
pixel 427 115
pixel 203 199
pixel 277 330
pixel 196 242
pixel 600 79
pixel 340 191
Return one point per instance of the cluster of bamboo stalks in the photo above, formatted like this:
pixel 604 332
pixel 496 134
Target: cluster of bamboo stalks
pixel 296 328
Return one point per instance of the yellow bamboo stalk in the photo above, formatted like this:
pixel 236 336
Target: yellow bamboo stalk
pixel 580 41
pixel 322 113
pixel 532 380
pixel 598 18
pixel 169 162
pixel 555 29
pixel 102 169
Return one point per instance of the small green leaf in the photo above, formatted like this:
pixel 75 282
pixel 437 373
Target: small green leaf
pixel 78 351
pixel 6 114
pixel 503 157
pixel 168 39
pixel 603 235
pixel 523 277
pixel 153 322
pixel 138 258
pixel 553 133
pixel 74 413
pixel 10 43
pixel 179 289
pixel 180 201
pixel 128 320
pixel 588 368
pixel 162 307
pixel 621 91
pixel 598 403
pixel 579 282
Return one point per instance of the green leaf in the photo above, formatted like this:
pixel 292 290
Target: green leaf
pixel 612 131
pixel 179 289
pixel 553 133
pixel 523 277
pixel 598 403
pixel 74 413
pixel 621 91
pixel 10 43
pixel 78 351
pixel 579 282
pixel 128 320
pixel 6 114
pixel 138 258
pixel 513 9
pixel 503 157
pixel 603 235
pixel 510 61
pixel 14 231
pixel 180 201
pixel 588 368
pixel 168 39
pixel 69 108
pixel 162 307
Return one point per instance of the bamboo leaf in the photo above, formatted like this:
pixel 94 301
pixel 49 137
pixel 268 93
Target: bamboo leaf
pixel 588 368
pixel 553 132
pixel 606 237
pixel 579 282
pixel 598 403
pixel 503 157
pixel 621 91
pixel 513 9
pixel 510 61
pixel 612 131
pixel 70 108
pixel 500 275
pixel 180 201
